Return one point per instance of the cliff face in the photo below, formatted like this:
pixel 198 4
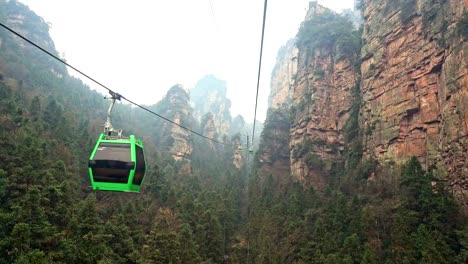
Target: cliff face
pixel 282 76
pixel 30 25
pixel 175 140
pixel 208 126
pixel 415 86
pixel 237 158
pixel 209 96
pixel 322 95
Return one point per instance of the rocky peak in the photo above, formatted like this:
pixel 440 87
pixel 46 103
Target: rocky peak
pixel 282 76
pixel 208 126
pixel 209 96
pixel 20 18
pixel 237 158
pixel 174 139
pixel 238 124
pixel 315 9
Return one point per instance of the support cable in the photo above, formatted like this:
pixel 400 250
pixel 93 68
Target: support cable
pixel 259 69
pixel 108 89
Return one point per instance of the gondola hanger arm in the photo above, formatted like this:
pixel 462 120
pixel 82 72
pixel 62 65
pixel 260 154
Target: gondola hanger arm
pixel 108 128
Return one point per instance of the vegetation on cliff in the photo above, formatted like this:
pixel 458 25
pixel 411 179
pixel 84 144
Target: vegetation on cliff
pixel 329 31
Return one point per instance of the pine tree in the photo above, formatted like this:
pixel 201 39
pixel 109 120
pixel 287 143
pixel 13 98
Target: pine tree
pixel 188 252
pixel 430 247
pixel 162 247
pixel 87 243
pixel 352 248
pixel 368 256
pixel 52 113
pixel 209 237
pixel 35 108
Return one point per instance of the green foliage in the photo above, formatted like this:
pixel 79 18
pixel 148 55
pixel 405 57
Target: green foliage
pixel 275 134
pixel 369 256
pixel 462 26
pixel 320 73
pixel 302 148
pixel 314 161
pixel 406 8
pixel 353 144
pixel 47 215
pixel 329 31
pixel 415 224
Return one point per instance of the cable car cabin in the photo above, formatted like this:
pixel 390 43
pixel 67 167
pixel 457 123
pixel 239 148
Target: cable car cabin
pixel 117 164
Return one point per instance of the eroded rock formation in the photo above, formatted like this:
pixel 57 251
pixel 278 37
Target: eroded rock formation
pixel 321 100
pixel 415 86
pixel 209 96
pixel 175 140
pixel 237 158
pixel 282 76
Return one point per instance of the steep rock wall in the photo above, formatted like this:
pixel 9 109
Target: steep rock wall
pixel 282 76
pixel 415 86
pixel 321 98
pixel 237 157
pixel 209 96
pixel 173 139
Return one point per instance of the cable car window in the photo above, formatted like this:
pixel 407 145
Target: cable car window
pixel 140 166
pixel 112 163
pixel 113 151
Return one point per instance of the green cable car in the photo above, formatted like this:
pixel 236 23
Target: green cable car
pixel 251 150
pixel 117 163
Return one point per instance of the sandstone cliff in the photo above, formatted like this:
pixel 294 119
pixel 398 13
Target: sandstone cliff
pixel 415 86
pixel 209 96
pixel 282 76
pixel 322 94
pixel 208 127
pixel 239 150
pixel 173 139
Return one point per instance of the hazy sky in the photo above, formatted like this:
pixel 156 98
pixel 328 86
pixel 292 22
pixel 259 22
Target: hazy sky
pixel 141 48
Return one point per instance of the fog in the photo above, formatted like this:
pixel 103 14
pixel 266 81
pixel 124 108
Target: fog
pixel 141 48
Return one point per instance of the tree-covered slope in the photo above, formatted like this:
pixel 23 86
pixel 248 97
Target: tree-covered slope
pixel 49 122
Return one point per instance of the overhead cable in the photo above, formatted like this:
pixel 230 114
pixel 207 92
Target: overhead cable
pixel 259 69
pixel 108 89
pixel 212 13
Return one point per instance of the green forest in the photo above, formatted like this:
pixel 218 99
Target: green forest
pixel 216 213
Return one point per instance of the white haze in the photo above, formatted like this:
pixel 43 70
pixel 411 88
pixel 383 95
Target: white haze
pixel 141 48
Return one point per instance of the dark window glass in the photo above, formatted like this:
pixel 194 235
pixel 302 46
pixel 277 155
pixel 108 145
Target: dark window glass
pixel 140 166
pixel 112 163
pixel 110 175
pixel 112 151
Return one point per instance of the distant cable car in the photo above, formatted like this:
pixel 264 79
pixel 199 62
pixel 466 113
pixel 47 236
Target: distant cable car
pixel 239 148
pixel 117 163
pixel 251 150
